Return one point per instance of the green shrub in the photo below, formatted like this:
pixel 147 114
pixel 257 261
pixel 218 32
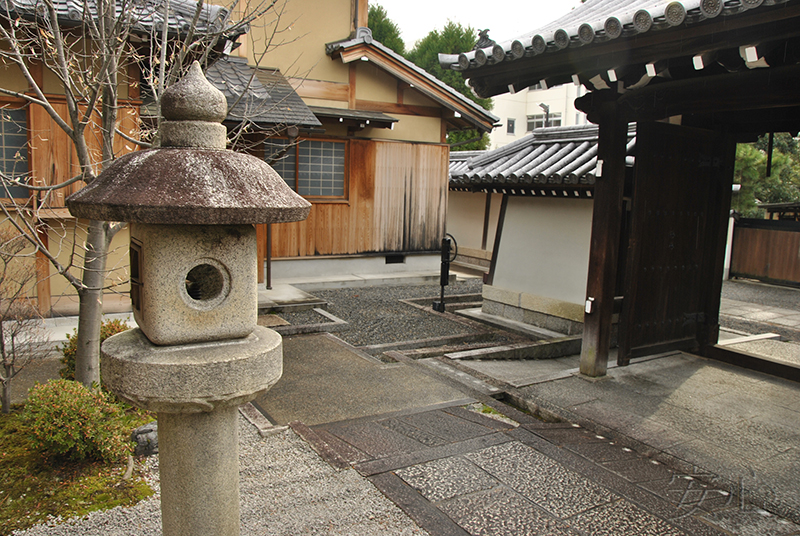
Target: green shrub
pixel 65 419
pixel 70 347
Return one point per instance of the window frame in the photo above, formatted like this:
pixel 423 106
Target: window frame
pixel 344 197
pixel 510 126
pixel 554 116
pixel 5 107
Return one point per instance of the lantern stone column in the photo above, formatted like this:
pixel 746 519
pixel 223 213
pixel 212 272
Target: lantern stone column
pixel 198 352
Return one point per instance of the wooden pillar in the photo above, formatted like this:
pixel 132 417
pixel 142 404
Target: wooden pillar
pixel 261 241
pixel 604 252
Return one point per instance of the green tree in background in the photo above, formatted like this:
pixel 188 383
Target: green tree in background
pixel 783 184
pixel 384 29
pixel 452 39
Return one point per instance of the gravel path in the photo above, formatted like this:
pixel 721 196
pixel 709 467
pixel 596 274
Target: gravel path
pixel 286 490
pixel 754 292
pixel 375 314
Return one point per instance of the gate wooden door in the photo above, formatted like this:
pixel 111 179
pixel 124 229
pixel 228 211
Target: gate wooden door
pixel 673 277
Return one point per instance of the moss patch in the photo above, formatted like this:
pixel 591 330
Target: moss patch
pixel 33 488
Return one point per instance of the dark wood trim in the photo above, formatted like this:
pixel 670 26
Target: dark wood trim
pixel 486 213
pixel 395 108
pixel 708 331
pixel 489 277
pixel 604 252
pixel 753 362
pixel 757 89
pixel 352 77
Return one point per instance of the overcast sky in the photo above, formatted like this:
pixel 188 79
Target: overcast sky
pixel 505 19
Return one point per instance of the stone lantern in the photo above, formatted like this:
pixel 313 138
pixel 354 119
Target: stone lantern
pixel 198 352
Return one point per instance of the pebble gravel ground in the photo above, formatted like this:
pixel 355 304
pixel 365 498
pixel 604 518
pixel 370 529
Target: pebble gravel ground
pixel 744 290
pixel 376 315
pixel 286 490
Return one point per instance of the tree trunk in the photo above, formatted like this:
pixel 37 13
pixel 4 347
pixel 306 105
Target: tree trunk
pixel 87 357
pixel 7 396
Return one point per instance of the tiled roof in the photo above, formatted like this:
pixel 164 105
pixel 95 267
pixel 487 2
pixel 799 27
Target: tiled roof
pixel 364 37
pixel 268 98
pixel 597 21
pixel 145 16
pixel 564 158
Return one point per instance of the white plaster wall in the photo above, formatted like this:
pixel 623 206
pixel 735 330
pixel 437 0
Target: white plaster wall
pixel 465 214
pixel 544 250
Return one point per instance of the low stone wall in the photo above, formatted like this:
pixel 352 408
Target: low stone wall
pixel 548 313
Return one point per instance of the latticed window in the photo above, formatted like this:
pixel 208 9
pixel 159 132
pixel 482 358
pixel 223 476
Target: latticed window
pixel 312 168
pixel 13 149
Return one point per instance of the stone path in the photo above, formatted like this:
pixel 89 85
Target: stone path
pixel 458 472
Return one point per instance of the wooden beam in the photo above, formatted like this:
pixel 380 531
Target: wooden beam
pixel 501 219
pixel 393 108
pixel 353 76
pixel 604 251
pixel 320 89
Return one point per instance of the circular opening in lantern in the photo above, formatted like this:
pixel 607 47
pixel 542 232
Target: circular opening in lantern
pixel 204 282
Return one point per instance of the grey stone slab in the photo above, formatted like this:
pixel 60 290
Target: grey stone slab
pixel 604 451
pixel 538 478
pixel 519 371
pixel 502 512
pixel 564 393
pixel 407 459
pixel 712 458
pixel 638 427
pixel 479 418
pixel 447 478
pixel 325 380
pixel 400 426
pixel 376 440
pixel 448 427
pixel 640 469
pixel 623 518
pixel 565 436
pixel 751 522
pixel 690 494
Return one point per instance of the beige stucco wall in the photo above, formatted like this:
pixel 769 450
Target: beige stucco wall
pixel 60 238
pixel 544 250
pixel 408 128
pixel 300 34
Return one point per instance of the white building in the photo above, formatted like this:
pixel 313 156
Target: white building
pixel 530 108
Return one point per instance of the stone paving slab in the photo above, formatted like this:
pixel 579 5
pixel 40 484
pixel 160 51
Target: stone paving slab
pixel 487 477
pixel 320 373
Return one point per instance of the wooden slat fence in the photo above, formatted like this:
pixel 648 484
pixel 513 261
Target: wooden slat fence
pixel 768 250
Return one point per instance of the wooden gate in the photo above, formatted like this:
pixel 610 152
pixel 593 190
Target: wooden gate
pixel 673 277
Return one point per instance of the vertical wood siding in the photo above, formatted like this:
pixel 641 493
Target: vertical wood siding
pixel 52 159
pixel 769 254
pixel 396 201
